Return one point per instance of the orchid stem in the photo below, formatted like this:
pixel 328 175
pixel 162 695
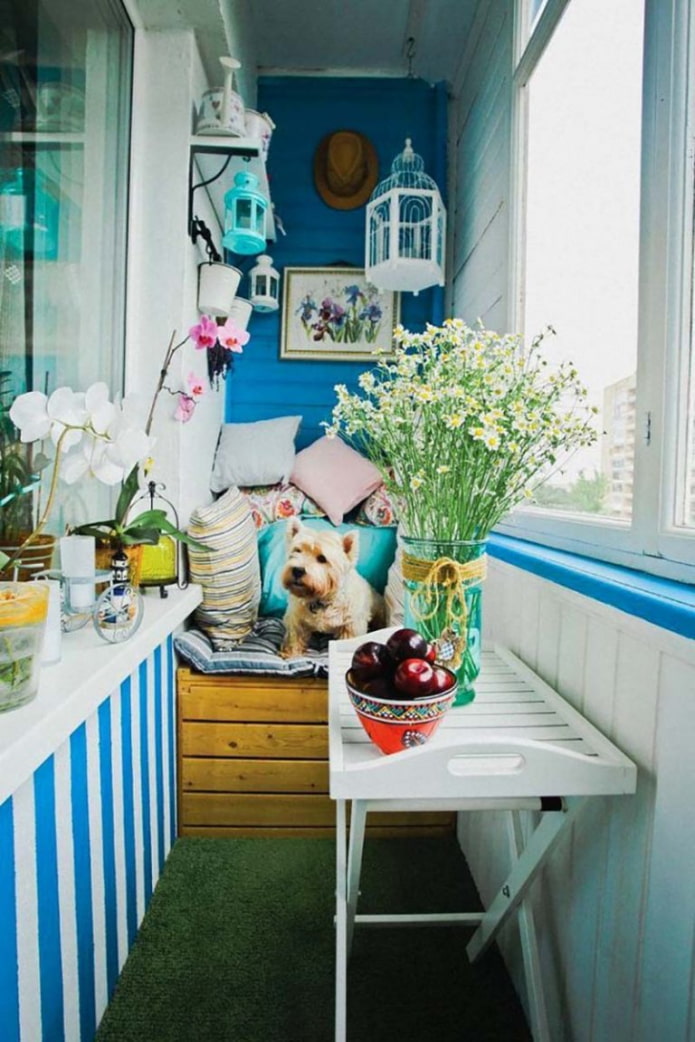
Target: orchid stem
pixel 170 352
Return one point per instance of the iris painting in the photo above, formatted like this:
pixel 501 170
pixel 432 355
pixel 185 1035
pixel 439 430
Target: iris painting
pixel 334 313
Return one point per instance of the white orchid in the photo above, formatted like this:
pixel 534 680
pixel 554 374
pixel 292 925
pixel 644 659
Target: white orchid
pixel 39 417
pixel 99 437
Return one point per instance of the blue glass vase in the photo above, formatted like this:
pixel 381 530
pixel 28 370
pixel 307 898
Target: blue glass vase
pixel 442 587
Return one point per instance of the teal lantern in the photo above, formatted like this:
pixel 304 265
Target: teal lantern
pixel 244 217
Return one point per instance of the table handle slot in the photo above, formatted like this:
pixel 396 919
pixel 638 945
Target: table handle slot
pixel 470 764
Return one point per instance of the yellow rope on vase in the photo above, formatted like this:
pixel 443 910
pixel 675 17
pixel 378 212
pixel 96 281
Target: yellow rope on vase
pixel 453 578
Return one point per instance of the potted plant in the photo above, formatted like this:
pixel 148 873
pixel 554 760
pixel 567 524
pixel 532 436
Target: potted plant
pixel 128 531
pixel 20 473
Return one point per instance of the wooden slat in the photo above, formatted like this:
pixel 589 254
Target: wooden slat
pixel 251 698
pixel 287 741
pixel 203 808
pixel 204 774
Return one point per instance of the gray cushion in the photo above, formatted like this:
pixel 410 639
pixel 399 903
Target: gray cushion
pixel 257 653
pixel 260 453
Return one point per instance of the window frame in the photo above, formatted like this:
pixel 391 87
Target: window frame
pixel 650 542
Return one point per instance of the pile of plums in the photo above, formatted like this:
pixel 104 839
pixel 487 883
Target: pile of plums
pixel 402 668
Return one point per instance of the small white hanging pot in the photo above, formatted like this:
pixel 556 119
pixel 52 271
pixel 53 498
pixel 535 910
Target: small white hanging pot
pixel 217 286
pixel 261 126
pixel 240 313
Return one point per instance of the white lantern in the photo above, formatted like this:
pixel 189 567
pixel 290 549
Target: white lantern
pixel 406 228
pixel 265 285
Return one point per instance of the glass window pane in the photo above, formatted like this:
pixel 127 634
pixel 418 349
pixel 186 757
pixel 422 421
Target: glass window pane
pixel 685 504
pixel 582 234
pixel 65 72
pixel 534 9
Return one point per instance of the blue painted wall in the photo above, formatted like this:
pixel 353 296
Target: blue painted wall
pixel 304 110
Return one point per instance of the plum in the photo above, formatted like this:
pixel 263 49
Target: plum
pixel 413 677
pixel 369 660
pixel 406 643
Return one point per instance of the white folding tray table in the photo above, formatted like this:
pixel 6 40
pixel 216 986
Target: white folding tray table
pixel 518 746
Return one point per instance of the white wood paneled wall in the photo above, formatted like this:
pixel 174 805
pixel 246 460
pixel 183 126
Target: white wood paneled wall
pixel 616 906
pixel 481 168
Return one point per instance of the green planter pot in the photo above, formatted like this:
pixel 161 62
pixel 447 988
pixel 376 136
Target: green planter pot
pixel 442 586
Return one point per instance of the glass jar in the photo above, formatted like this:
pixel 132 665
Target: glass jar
pixel 23 610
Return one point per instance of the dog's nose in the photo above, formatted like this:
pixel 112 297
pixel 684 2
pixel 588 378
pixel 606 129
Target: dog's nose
pixel 297 573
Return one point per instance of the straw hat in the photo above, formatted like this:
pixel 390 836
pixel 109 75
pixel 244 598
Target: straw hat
pixel 346 169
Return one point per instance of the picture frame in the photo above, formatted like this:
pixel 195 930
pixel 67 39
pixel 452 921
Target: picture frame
pixel 336 315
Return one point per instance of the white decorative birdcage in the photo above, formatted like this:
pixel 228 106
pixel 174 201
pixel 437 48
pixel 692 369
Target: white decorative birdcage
pixel 406 228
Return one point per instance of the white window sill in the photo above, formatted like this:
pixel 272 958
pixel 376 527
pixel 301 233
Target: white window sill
pixel 663 602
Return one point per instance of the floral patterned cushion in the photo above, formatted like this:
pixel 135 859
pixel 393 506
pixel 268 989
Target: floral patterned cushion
pixel 377 509
pixel 269 503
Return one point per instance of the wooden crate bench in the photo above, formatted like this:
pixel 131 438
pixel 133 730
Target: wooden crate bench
pixel 253 760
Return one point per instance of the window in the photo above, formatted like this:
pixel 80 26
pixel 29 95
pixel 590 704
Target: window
pixel 604 196
pixel 65 69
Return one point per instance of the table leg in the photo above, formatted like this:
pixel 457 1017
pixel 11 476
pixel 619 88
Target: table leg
pixel 340 925
pixel 529 945
pixel 358 817
pixel 512 891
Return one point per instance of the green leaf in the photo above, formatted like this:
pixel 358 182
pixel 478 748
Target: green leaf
pixel 99 529
pixel 158 519
pixel 141 534
pixel 176 533
pixel 129 490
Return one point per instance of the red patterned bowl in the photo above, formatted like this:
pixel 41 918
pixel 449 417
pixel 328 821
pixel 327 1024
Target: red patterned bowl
pixel 397 724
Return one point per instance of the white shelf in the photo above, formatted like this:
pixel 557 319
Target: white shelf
pixel 207 157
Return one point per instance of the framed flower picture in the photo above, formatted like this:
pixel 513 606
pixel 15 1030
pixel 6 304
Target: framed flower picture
pixel 335 314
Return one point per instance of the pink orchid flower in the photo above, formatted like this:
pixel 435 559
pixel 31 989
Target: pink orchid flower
pixel 185 407
pixel 205 333
pixel 195 387
pixel 233 338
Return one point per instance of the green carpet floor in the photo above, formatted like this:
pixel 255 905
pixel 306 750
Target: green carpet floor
pixel 238 946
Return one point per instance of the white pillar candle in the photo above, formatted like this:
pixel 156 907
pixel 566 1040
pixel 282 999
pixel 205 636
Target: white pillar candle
pixel 77 564
pixel 52 637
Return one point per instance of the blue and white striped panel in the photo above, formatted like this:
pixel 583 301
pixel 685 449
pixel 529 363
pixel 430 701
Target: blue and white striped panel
pixel 82 845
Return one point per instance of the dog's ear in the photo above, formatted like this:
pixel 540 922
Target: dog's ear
pixel 294 526
pixel 351 545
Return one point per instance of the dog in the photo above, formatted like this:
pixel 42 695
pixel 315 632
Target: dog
pixel 326 593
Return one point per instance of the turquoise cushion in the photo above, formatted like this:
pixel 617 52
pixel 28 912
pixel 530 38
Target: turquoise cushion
pixel 377 550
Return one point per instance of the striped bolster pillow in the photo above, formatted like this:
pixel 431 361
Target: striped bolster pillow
pixel 229 571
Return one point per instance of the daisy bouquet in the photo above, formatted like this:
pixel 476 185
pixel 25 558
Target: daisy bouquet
pixel 463 423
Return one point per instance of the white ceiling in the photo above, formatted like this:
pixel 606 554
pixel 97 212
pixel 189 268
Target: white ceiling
pixel 330 37
pixel 361 36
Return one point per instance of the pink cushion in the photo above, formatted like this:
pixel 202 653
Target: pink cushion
pixel 334 476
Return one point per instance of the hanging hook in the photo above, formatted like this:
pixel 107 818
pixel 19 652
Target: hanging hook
pixel 410 55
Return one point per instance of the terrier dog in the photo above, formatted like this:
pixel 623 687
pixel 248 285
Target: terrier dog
pixel 326 593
